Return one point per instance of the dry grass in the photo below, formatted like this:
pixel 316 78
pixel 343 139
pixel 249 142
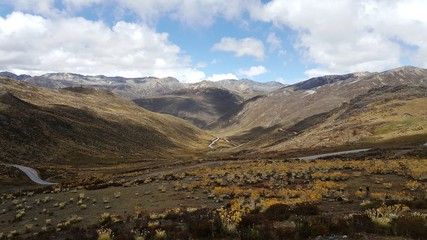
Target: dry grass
pixel 93 126
pixel 241 188
pixel 379 122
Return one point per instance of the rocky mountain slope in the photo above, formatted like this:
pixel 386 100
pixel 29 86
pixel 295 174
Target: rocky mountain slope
pixel 126 87
pixel 385 114
pixel 14 76
pixel 76 124
pixel 250 115
pixel 242 87
pixel 205 103
pixel 200 106
pixel 133 88
pixel 202 103
pixel 287 106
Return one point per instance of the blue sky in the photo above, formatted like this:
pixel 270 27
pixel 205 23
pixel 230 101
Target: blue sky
pixel 193 40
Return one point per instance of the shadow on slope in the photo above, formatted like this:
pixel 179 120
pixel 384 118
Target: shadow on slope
pixel 198 106
pixel 31 133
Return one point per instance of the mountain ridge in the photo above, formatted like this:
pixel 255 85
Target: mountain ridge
pixel 40 124
pixel 200 106
pixel 265 119
pixel 125 87
pixel 133 88
pixel 283 107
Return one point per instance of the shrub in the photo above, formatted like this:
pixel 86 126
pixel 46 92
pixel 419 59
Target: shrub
pixel 201 229
pixel 140 235
pixel 360 223
pixel 278 212
pixel 384 215
pixel 413 185
pixel 105 218
pixel 160 234
pixel 416 204
pixel 251 220
pixel 250 234
pixel 306 209
pixel 153 224
pixel 411 226
pixel 105 234
pixel 81 195
pixel 138 210
pixel 28 228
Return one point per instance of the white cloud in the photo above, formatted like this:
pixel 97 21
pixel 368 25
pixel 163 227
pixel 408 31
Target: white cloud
pixel 44 7
pixel 334 36
pixel 79 4
pixel 241 47
pixel 189 12
pixel 30 43
pixel 253 71
pixel 219 77
pixel 276 44
pixel 351 35
pixel 201 65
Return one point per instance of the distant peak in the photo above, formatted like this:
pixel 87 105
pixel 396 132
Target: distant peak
pixel 403 68
pixel 361 74
pixel 328 79
pixel 14 76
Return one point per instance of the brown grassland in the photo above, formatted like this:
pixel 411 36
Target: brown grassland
pixel 274 198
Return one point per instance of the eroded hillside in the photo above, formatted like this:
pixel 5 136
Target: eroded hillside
pixel 202 107
pixel 77 123
pixel 387 114
pixel 290 105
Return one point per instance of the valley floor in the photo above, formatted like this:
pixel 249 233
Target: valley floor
pixel 264 198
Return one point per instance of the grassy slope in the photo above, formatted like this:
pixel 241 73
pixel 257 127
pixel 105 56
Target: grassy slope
pixel 384 121
pixel 87 124
pixel 288 106
pixel 198 106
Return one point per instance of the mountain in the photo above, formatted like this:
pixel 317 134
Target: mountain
pixel 242 86
pixel 289 105
pixel 329 79
pixel 80 125
pixel 200 106
pixel 247 113
pixel 126 87
pixel 385 114
pixel 205 103
pixel 14 76
pixel 134 88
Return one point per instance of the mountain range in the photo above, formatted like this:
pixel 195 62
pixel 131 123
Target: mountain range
pixel 133 88
pixel 76 123
pixel 70 115
pixel 287 106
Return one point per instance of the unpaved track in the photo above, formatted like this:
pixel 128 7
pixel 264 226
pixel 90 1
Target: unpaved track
pixel 208 163
pixel 213 142
pixel 32 174
pixel 313 157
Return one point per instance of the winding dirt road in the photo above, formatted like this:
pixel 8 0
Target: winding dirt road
pixel 313 157
pixel 213 142
pixel 32 174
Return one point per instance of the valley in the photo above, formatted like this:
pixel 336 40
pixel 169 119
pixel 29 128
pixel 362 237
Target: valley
pixel 340 156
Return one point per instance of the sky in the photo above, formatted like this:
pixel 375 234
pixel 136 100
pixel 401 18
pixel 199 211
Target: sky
pixel 194 40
